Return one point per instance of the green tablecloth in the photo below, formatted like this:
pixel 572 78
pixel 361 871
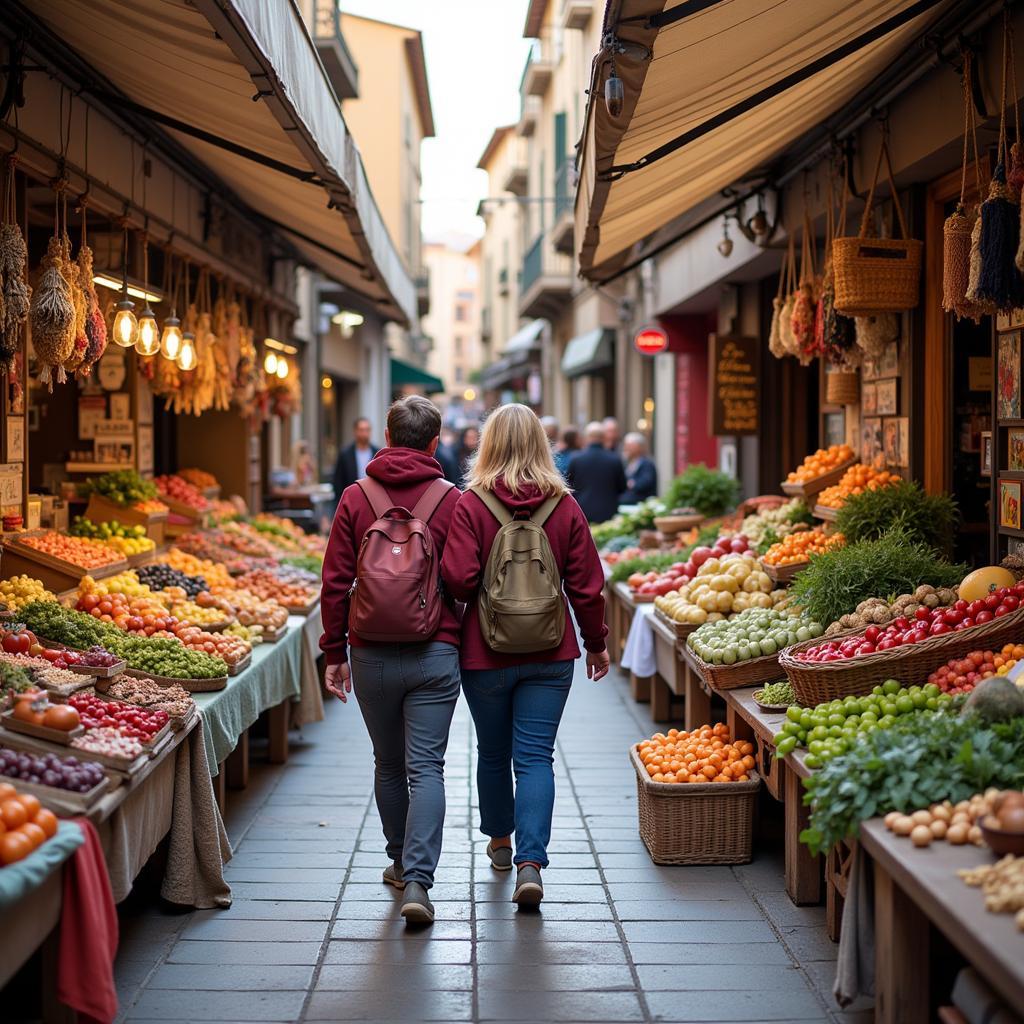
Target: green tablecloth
pixel 19 879
pixel 273 676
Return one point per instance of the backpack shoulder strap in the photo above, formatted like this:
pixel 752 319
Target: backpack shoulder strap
pixel 431 499
pixel 543 513
pixel 495 506
pixel 375 494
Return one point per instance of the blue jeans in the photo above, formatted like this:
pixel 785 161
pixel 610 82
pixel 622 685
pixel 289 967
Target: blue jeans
pixel 407 694
pixel 516 712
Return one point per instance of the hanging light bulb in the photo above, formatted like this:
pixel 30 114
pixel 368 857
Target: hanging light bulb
pixel 725 245
pixel 270 364
pixel 614 94
pixel 126 327
pixel 282 368
pixel 147 343
pixel 187 358
pixel 170 340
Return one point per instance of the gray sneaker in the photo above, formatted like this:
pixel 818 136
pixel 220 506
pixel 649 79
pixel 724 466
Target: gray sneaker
pixel 529 888
pixel 501 857
pixel 393 876
pixel 416 905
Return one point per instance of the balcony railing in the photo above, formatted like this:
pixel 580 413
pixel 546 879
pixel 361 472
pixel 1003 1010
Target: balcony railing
pixel 546 279
pixel 503 281
pixel 565 191
pixel 539 69
pixel 330 44
pixel 423 292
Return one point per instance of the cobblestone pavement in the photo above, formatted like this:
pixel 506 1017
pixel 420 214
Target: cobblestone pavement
pixel 313 934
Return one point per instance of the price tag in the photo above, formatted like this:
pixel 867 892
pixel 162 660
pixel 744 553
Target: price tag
pixel 10 483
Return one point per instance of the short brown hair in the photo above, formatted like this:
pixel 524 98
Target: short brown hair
pixel 413 422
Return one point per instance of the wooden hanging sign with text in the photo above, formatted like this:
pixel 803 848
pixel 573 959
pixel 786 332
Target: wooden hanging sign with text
pixel 734 366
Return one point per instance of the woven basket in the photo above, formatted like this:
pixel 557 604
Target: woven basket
pixel 733 677
pixel 681 629
pixel 817 484
pixel 842 387
pixel 877 275
pixel 817 682
pixel 689 823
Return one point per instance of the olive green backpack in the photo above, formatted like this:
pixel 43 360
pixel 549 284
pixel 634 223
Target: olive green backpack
pixel 522 610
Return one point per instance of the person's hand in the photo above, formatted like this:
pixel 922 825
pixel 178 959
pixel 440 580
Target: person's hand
pixel 597 665
pixel 339 680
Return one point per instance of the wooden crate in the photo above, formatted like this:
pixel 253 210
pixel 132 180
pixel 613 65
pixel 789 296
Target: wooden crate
pixel 103 510
pixel 54 573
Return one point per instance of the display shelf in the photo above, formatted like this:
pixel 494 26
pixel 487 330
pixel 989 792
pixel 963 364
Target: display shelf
pixel 96 467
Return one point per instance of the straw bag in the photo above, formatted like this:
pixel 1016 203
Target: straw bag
pixel 775 345
pixel 842 387
pixel 833 333
pixel 877 275
pixel 788 341
pixel 806 299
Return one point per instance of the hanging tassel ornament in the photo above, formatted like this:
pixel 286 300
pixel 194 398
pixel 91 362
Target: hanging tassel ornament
pixel 959 226
pixel 999 282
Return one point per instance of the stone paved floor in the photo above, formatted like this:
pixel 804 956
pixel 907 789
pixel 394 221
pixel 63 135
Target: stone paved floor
pixel 314 935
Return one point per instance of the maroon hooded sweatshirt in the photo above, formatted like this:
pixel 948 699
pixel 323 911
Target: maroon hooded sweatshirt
pixel 405 474
pixel 465 555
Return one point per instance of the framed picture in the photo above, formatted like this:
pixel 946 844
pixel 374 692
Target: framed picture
pixel 869 398
pixel 1008 373
pixel 986 453
pixel 1009 504
pixel 835 428
pixel 888 397
pixel 896 441
pixel 871 443
pixel 1015 450
pixel 15 439
pixel 1015 545
pixel 1017 318
pixel 120 406
pixel 888 364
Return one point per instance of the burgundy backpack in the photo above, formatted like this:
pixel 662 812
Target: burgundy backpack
pixel 396 596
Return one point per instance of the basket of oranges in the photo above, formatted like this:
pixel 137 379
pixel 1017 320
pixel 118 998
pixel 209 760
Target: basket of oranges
pixel 696 793
pixel 818 471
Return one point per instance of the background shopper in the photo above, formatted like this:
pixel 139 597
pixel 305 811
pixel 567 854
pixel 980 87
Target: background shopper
pixel 354 458
pixel 517 699
pixel 641 472
pixel 596 476
pixel 406 691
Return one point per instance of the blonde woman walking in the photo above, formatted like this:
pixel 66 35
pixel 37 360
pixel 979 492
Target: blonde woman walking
pixel 520 553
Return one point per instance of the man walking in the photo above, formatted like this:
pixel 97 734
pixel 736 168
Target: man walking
pixel 641 472
pixel 404 665
pixel 596 476
pixel 612 434
pixel 354 458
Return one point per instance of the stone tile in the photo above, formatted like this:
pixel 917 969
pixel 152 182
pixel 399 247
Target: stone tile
pixel 543 951
pixel 240 953
pixel 533 925
pixel 302 891
pixel 724 976
pixel 365 910
pixel 709 932
pixel 268 910
pixel 556 977
pixel 398 951
pixel 164 1004
pixel 738 953
pixel 330 877
pixel 655 891
pixel 214 977
pixel 559 1006
pixel 395 928
pixel 809 944
pixel 297 862
pixel 394 1004
pixel 507 911
pixel 795 1004
pixel 375 891
pixel 223 929
pixel 782 912
pixel 378 976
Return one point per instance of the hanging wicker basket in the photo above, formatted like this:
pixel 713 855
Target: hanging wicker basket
pixel 877 275
pixel 842 387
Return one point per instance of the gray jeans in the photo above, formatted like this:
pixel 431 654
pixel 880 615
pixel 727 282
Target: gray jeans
pixel 407 694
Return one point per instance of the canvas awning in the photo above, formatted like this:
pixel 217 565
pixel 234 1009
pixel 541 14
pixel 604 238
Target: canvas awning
pixel 526 338
pixel 404 374
pixel 719 97
pixel 238 83
pixel 594 350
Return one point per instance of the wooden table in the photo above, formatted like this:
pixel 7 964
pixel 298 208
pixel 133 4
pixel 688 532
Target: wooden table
pixel 625 608
pixel 917 889
pixel 670 680
pixel 783 780
pixel 696 691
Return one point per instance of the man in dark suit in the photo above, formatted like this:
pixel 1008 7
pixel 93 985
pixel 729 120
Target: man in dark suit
pixel 641 473
pixel 354 458
pixel 596 477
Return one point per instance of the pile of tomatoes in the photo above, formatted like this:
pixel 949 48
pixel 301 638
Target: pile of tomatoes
pixel 24 824
pixel 927 622
pixel 961 675
pixel 142 616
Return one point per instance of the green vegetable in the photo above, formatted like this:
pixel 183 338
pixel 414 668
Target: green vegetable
pixel 311 563
pixel 920 760
pixel 621 571
pixel 125 487
pixel 710 491
pixel 995 700
pixel 754 633
pixel 628 522
pixel 777 693
pixel 929 519
pixel 834 583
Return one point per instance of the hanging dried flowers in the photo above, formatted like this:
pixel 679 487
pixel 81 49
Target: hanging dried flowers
pixel 786 337
pixel 15 294
pixel 95 324
pixel 775 345
pixel 834 334
pixel 805 299
pixel 52 311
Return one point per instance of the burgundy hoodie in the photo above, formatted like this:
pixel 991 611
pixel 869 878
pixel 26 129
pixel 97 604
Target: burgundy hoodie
pixel 469 543
pixel 405 474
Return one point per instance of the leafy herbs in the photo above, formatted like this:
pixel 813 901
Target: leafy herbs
pixel 710 491
pixel 928 518
pixel 124 487
pixel 922 759
pixel 642 518
pixel 833 584
pixel 645 563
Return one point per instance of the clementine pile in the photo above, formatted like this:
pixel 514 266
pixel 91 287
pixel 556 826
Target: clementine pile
pixel 705 754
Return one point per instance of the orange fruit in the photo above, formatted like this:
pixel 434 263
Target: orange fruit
pixel 31 804
pixel 13 813
pixel 34 832
pixel 47 821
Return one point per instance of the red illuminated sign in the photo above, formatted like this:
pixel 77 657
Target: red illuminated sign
pixel 649 341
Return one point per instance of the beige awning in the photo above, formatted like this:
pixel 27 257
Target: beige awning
pixel 704 64
pixel 201 63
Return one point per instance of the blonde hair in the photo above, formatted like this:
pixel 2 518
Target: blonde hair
pixel 514 448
